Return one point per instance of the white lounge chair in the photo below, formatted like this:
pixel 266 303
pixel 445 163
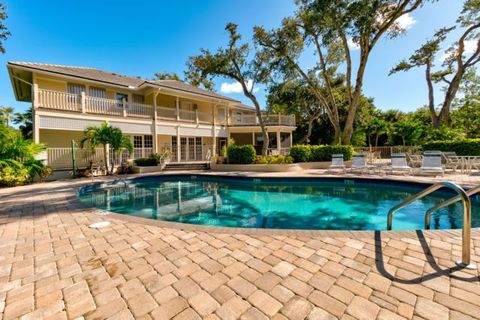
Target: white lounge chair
pixel 399 163
pixel 337 162
pixel 359 163
pixel 432 162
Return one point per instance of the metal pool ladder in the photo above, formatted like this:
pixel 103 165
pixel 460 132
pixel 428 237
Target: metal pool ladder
pixel 467 214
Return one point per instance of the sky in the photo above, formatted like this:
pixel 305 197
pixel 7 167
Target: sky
pixel 139 38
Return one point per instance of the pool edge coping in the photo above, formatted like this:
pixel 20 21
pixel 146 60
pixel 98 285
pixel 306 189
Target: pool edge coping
pixel 353 234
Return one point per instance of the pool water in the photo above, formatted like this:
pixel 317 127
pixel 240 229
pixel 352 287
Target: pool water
pixel 323 204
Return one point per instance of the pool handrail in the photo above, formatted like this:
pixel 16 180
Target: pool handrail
pixel 467 216
pixel 470 192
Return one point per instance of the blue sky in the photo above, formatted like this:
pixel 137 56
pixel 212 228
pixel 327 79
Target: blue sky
pixel 139 38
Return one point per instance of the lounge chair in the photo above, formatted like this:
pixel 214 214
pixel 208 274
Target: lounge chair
pixel 359 163
pixel 337 162
pixel 452 161
pixel 399 163
pixel 432 162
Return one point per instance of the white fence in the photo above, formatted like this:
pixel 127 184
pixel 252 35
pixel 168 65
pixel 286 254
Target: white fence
pixel 61 158
pixel 252 120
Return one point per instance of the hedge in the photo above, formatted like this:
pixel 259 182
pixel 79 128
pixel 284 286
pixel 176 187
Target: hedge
pixel 464 147
pixel 280 159
pixel 308 153
pixel 152 160
pixel 241 154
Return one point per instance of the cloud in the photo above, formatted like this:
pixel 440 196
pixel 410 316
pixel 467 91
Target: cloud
pixel 470 47
pixel 352 45
pixel 235 87
pixel 405 21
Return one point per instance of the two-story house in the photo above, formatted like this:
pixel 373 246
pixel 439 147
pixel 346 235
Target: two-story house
pixel 158 115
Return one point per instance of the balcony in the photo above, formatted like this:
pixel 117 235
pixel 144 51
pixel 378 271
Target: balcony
pixel 268 120
pixel 87 104
pixel 82 103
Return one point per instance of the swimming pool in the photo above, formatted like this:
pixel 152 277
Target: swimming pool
pixel 278 203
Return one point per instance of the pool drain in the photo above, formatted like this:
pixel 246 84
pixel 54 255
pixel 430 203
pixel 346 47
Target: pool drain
pixel 99 225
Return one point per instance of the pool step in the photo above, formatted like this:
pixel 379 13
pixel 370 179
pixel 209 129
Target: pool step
pixel 187 166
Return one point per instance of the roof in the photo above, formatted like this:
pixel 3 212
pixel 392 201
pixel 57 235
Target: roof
pixel 112 78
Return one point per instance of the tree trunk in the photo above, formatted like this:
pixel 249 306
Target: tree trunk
pixel 260 118
pixel 431 96
pixel 376 139
pixel 306 138
pixel 450 95
pixel 105 157
pixel 352 110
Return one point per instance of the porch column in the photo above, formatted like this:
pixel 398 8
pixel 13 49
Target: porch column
pixel 214 133
pixel 177 105
pixel 178 144
pixel 36 117
pixel 155 130
pixel 253 139
pixel 291 139
pixel 36 126
pixel 279 143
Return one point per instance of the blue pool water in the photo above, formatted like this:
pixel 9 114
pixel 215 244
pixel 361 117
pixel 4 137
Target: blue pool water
pixel 324 204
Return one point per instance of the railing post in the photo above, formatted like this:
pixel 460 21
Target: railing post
pixel 124 105
pixel 35 96
pixel 82 101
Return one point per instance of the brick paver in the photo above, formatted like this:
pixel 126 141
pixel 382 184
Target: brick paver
pixel 53 266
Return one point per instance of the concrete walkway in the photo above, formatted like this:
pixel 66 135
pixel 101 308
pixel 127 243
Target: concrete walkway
pixel 53 266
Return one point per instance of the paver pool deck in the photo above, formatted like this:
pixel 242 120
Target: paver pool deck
pixel 53 266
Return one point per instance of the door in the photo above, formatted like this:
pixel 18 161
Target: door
pixel 191 148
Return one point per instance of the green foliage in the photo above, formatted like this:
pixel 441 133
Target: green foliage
pixel 12 176
pixel 17 157
pixel 324 153
pixel 301 153
pixel 444 133
pixel 166 76
pixel 241 154
pixel 106 135
pixel 25 123
pixel 409 131
pixel 465 147
pixel 309 153
pixel 147 162
pixel 4 33
pixel 271 159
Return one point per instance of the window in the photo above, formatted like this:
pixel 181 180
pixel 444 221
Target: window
pixel 147 141
pixel 120 97
pixel 137 142
pixel 238 116
pixel 97 92
pixel 75 88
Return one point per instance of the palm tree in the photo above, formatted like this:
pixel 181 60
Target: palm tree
pixel 7 114
pixel 119 142
pixel 24 122
pixel 106 136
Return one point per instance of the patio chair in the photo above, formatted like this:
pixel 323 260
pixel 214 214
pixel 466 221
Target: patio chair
pixel 432 162
pixel 415 160
pixel 452 161
pixel 399 163
pixel 359 163
pixel 337 162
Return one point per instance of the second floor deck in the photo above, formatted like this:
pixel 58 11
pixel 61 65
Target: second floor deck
pixel 82 103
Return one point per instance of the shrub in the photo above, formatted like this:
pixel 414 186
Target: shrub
pixel 241 154
pixel 147 162
pixel 301 153
pixel 307 153
pixel 12 176
pixel 464 147
pixel 280 159
pixel 324 153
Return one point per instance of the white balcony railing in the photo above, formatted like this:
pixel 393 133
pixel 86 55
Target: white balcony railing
pixel 50 99
pixel 252 120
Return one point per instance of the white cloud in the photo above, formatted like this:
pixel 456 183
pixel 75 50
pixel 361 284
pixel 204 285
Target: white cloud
pixel 235 87
pixel 352 45
pixel 406 21
pixel 470 47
